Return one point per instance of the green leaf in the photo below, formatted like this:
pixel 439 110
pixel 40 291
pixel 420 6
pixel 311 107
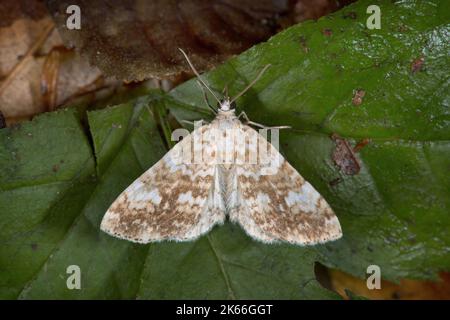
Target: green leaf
pixel 126 142
pixel 58 177
pixel 47 169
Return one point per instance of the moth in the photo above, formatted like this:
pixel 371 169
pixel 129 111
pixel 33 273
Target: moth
pixel 180 199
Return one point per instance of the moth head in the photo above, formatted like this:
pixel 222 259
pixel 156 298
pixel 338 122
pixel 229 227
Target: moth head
pixel 226 105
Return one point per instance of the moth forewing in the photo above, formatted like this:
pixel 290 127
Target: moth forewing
pixel 282 206
pixel 172 200
pixel 268 154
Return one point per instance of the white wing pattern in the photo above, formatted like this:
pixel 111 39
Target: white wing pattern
pixel 170 201
pixel 178 201
pixel 281 206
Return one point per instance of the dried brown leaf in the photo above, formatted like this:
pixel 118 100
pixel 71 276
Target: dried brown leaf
pixel 138 39
pixel 307 9
pixel 12 10
pixel 407 289
pixel 37 73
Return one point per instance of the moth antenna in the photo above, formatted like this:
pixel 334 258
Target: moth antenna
pixel 251 83
pixel 225 91
pixel 198 75
pixel 205 97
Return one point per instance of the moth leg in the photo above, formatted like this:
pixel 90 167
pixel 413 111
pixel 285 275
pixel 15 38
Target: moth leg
pixel 188 122
pixel 205 97
pixel 279 127
pixel 248 121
